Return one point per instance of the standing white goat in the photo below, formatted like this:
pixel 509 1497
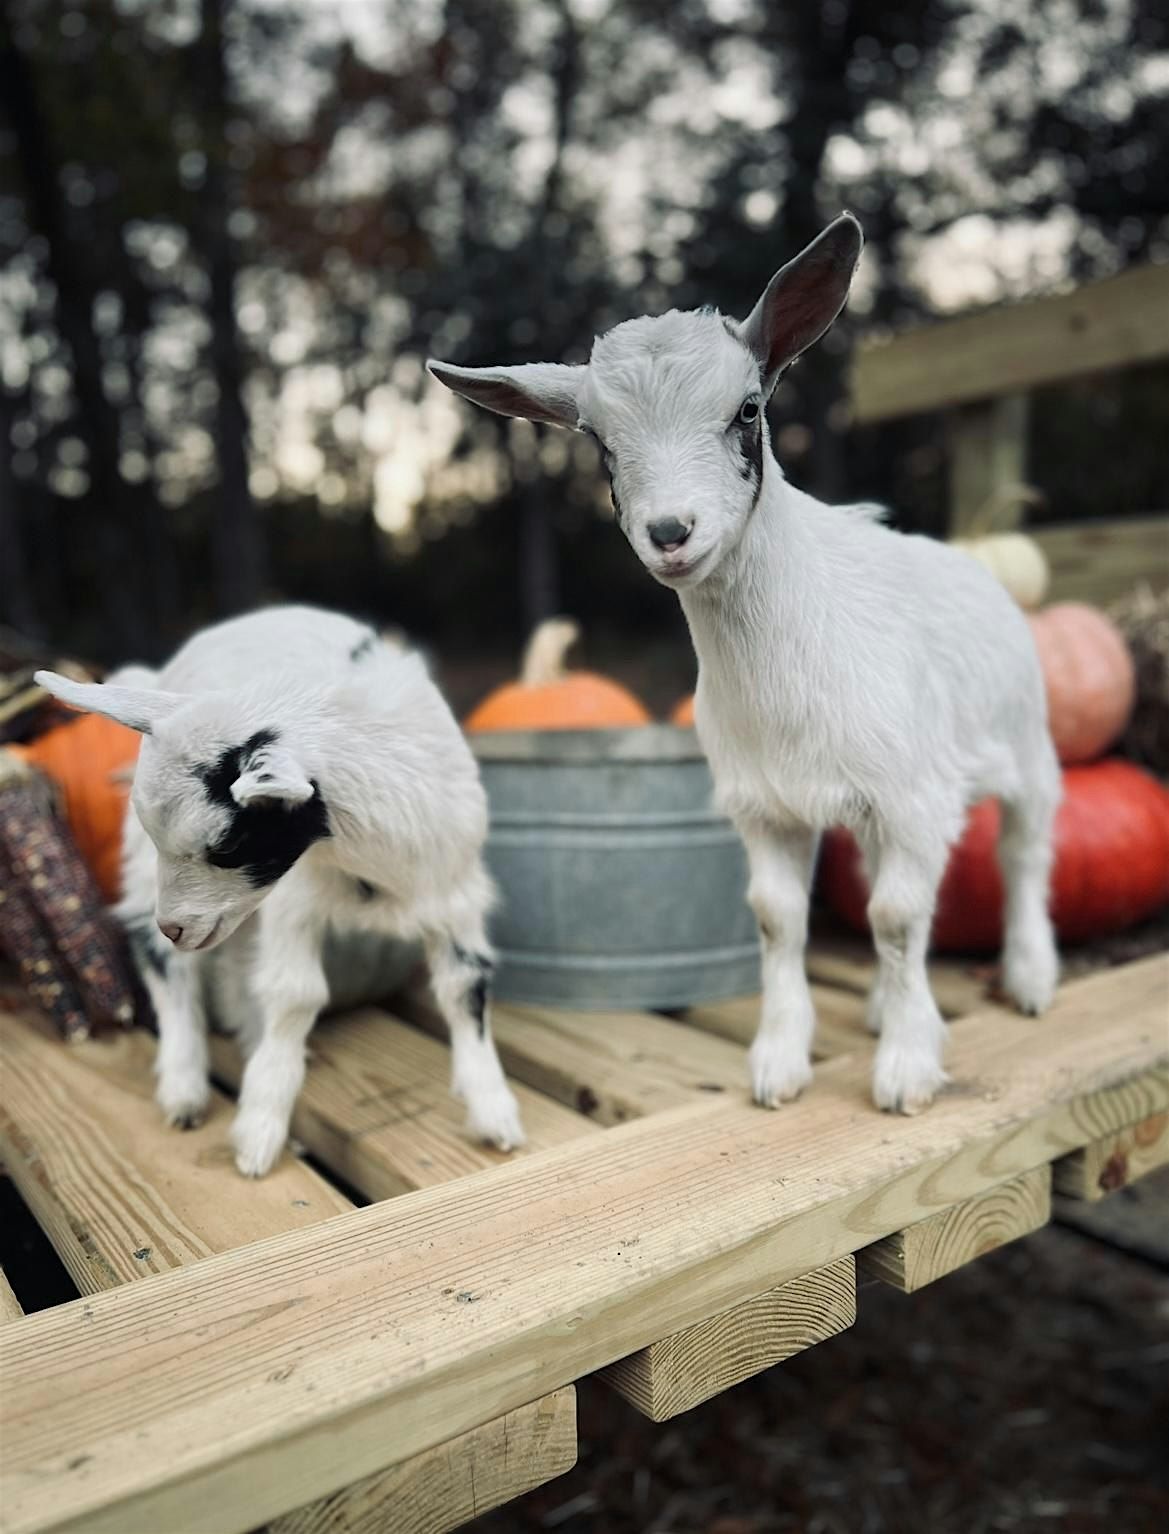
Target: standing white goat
pixel 298 776
pixel 847 673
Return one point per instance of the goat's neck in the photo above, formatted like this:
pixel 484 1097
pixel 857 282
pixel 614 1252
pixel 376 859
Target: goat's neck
pixel 761 599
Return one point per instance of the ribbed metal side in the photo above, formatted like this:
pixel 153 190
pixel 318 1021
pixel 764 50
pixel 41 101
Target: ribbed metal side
pixel 621 886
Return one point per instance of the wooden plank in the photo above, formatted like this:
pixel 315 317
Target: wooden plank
pixel 683 1370
pixel 1116 323
pixel 376 1107
pixel 119 1194
pixel 446 1486
pixel 1101 561
pixel 1114 1160
pixel 610 1066
pixel 943 1242
pixel 277 1373
pixel 9 1305
pixel 840 1020
pixel 986 445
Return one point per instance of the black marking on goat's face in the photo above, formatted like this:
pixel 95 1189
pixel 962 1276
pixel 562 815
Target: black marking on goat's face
pixel 607 465
pixel 479 987
pixel 262 841
pixel 366 890
pixel 363 647
pixel 747 437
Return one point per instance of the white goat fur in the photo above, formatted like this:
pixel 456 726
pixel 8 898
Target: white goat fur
pixel 360 809
pixel 847 673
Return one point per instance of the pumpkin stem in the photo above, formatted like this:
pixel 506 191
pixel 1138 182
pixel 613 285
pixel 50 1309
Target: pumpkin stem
pixel 544 656
pixel 1002 500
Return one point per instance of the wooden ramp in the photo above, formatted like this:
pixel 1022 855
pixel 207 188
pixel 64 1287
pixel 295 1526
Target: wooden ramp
pixel 267 1354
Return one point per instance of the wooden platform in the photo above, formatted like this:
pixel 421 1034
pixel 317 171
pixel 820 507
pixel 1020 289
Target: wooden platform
pixel 268 1354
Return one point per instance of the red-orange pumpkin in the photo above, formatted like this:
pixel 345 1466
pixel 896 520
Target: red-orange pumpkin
pixel 1111 863
pixel 91 760
pixel 548 697
pixel 1089 675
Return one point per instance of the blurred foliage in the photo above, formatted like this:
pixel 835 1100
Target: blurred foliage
pixel 231 231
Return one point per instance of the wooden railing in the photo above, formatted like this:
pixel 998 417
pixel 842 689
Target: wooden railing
pixel 979 370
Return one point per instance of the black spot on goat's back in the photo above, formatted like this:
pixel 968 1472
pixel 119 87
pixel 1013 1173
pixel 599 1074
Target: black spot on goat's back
pixel 363 647
pixel 261 841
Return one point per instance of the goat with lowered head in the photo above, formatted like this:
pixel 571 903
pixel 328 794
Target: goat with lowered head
pixel 847 673
pixel 299 777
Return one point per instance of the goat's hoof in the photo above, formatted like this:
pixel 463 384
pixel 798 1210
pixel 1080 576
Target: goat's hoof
pixel 185 1108
pixel 777 1075
pixel 1030 982
pixel 905 1082
pixel 258 1142
pixel 495 1119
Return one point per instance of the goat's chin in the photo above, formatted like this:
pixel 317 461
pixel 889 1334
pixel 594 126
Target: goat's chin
pixel 682 575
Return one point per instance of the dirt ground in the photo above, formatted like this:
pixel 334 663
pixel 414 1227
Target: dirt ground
pixel 1027 1392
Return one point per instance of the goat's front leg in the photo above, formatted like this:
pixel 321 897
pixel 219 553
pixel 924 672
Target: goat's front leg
pixel 907 1071
pixel 290 989
pixel 174 983
pixel 781 871
pixel 460 976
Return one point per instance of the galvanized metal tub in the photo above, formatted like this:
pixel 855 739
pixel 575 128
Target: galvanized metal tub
pixel 621 886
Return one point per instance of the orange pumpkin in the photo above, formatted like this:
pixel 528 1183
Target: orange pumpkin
pixel 683 712
pixel 91 760
pixel 548 697
pixel 1111 863
pixel 1089 676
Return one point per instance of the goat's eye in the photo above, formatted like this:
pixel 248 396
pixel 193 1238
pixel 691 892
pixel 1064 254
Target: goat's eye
pixel 748 412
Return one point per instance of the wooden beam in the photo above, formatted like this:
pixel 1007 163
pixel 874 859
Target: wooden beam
pixel 275 1374
pixel 447 1486
pixel 836 959
pixel 986 446
pixel 376 1106
pixel 1100 561
pixel 1116 323
pixel 944 1242
pixel 119 1194
pixel 123 1197
pixel 9 1305
pixel 1114 1160
pixel 840 1020
pixel 682 1371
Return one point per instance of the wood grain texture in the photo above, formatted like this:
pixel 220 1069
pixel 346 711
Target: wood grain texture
pixel 448 1485
pixel 1114 1161
pixel 9 1305
pixel 275 1374
pixel 1100 561
pixel 609 1066
pixel 1116 323
pixel 986 446
pixel 840 1020
pixel 683 1370
pixel 944 1242
pixel 119 1194
pixel 376 1106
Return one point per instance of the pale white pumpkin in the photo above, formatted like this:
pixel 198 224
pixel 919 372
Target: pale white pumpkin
pixel 1016 561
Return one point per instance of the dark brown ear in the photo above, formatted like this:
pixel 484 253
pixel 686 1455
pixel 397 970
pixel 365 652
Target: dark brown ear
pixel 534 391
pixel 803 298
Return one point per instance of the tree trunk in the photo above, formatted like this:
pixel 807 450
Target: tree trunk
pixel 238 540
pixel 97 421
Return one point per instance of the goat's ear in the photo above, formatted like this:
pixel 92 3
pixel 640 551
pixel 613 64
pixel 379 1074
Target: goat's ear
pixel 803 298
pixel 271 775
pixel 139 707
pixel 535 391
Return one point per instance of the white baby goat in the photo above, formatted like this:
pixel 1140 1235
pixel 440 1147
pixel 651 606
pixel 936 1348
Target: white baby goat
pixel 847 674
pixel 298 775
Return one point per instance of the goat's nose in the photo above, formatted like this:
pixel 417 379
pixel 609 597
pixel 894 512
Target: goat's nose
pixel 668 533
pixel 170 929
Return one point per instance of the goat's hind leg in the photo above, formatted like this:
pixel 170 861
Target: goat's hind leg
pixel 461 968
pixel 907 1071
pixel 1030 956
pixel 781 871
